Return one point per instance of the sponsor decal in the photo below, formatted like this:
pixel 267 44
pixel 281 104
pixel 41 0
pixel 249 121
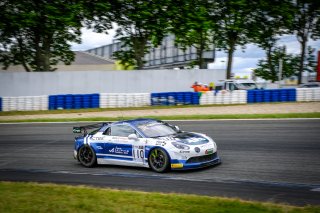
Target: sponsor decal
pixel 197 149
pixel 119 139
pixel 119 150
pixel 161 143
pixel 209 151
pixel 176 165
pixel 184 152
pixel 99 147
pixel 167 138
pixel 97 138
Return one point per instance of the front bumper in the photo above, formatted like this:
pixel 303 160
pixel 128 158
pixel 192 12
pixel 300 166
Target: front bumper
pixel 196 162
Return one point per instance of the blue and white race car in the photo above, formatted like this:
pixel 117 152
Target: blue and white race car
pixel 144 143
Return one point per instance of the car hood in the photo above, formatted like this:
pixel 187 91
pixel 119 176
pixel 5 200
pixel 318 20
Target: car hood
pixel 187 138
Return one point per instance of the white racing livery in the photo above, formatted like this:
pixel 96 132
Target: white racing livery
pixel 144 143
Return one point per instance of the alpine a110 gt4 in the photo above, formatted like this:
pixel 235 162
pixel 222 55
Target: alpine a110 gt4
pixel 144 143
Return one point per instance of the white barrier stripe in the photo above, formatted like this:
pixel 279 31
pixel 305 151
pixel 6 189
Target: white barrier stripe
pixel 25 103
pixel 223 97
pixel 308 94
pixel 114 100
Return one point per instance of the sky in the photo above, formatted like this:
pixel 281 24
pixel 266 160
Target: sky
pixel 243 61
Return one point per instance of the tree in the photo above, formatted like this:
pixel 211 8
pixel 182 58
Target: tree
pixel 310 64
pixel 290 64
pixel 37 33
pixel 142 24
pixel 99 14
pixel 274 18
pixel 232 21
pixel 305 25
pixel 191 25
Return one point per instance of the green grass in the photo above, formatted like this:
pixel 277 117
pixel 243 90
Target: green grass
pixel 176 117
pixel 32 197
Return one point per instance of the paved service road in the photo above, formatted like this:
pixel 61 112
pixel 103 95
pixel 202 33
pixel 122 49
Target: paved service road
pixel 267 160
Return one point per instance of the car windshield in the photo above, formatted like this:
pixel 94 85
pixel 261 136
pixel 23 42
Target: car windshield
pixel 157 129
pixel 247 86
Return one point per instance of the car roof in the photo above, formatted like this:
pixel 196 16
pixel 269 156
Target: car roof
pixel 136 122
pixel 240 80
pixel 310 84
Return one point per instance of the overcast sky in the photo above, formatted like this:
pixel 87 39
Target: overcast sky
pixel 243 62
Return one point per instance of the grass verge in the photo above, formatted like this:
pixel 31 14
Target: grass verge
pixel 32 197
pixel 176 117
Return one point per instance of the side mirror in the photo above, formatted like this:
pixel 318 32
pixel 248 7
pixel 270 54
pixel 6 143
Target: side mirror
pixel 133 137
pixel 177 128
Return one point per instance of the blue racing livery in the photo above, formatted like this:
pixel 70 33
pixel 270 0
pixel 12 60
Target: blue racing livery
pixel 144 143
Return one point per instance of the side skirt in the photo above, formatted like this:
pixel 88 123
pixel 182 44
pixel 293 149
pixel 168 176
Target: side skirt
pixel 104 161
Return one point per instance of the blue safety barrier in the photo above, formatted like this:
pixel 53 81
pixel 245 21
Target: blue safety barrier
pixel 174 98
pixel 251 96
pixel 95 100
pixel 68 101
pixel 292 95
pixel 271 95
pixel 74 101
pixel 275 95
pixel 52 102
pixel 0 104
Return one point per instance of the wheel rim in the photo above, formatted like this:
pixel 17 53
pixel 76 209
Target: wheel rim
pixel 86 155
pixel 158 159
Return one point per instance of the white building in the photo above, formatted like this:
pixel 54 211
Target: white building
pixel 165 56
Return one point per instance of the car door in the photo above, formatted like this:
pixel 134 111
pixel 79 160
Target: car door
pixel 138 150
pixel 121 150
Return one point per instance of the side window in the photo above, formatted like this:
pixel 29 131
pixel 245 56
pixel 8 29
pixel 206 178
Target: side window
pixel 107 131
pixel 232 87
pixel 122 131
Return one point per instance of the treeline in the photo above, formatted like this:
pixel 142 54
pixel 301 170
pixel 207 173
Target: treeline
pixel 37 33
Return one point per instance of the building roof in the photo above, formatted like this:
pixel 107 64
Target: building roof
pixel 83 62
pixel 82 58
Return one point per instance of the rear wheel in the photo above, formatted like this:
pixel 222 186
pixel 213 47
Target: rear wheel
pixel 159 160
pixel 87 157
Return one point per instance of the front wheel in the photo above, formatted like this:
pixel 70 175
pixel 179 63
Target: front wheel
pixel 87 157
pixel 159 160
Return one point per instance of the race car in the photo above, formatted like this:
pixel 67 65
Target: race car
pixel 144 143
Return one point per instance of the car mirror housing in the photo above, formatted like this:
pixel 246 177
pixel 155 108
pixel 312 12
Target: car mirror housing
pixel 133 137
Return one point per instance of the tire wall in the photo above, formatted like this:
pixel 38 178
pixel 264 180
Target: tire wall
pixel 118 100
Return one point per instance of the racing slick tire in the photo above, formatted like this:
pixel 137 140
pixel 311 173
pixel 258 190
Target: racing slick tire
pixel 87 156
pixel 159 160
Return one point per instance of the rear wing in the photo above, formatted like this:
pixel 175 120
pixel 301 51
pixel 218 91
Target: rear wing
pixel 83 129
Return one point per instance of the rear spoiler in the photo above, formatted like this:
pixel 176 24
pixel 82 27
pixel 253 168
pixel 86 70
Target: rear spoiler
pixel 83 129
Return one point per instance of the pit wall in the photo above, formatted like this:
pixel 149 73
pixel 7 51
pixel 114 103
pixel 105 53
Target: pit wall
pixel 121 100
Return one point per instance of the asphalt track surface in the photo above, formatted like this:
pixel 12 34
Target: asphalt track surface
pixel 265 160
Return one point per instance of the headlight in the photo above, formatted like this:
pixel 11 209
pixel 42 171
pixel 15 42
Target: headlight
pixel 180 146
